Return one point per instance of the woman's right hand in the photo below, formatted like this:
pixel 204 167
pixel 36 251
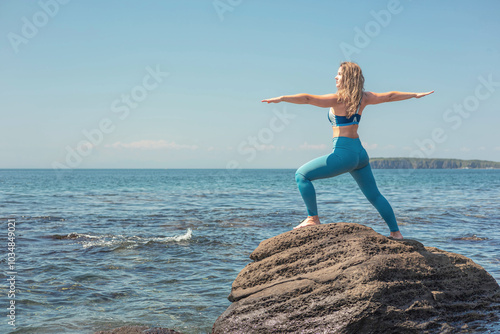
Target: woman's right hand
pixel 419 95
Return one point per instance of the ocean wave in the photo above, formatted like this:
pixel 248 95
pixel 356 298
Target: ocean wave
pixel 121 241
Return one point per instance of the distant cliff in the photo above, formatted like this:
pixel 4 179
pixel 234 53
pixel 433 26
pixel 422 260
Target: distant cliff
pixel 417 163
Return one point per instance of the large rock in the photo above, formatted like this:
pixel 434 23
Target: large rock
pixel 346 278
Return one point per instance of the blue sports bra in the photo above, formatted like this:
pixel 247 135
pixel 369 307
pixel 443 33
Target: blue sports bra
pixel 343 120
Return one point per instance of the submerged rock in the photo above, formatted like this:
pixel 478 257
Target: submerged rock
pixel 139 330
pixel 346 278
pixel 473 238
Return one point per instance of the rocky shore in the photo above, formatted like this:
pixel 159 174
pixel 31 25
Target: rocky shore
pixel 346 278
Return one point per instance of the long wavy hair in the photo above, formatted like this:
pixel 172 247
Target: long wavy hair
pixel 351 86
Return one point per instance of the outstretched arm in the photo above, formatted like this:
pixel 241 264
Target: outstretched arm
pixel 376 98
pixel 323 101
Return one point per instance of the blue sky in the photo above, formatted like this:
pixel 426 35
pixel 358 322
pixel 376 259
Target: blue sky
pixel 178 84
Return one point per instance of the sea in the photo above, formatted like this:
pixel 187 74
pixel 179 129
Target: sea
pixel 90 250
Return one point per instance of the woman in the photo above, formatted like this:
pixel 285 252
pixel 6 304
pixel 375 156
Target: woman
pixel 348 155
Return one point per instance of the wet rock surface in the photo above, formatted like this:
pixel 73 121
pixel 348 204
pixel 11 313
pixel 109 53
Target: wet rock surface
pixel 346 278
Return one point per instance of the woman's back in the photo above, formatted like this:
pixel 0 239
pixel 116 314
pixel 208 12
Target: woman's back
pixel 342 125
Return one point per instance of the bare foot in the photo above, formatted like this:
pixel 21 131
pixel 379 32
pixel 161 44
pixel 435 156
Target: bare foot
pixel 396 235
pixel 309 221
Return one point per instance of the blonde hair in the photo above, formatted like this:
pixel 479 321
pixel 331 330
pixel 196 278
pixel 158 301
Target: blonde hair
pixel 350 91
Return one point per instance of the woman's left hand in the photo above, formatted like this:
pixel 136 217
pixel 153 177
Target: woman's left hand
pixel 273 100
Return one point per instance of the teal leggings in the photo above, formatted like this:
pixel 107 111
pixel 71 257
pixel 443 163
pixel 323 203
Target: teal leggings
pixel 348 155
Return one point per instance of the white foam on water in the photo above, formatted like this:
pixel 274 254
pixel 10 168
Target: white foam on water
pixel 186 236
pixel 74 235
pixel 127 241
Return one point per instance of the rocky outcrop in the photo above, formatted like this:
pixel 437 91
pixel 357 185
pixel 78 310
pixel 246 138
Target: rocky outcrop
pixel 346 278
